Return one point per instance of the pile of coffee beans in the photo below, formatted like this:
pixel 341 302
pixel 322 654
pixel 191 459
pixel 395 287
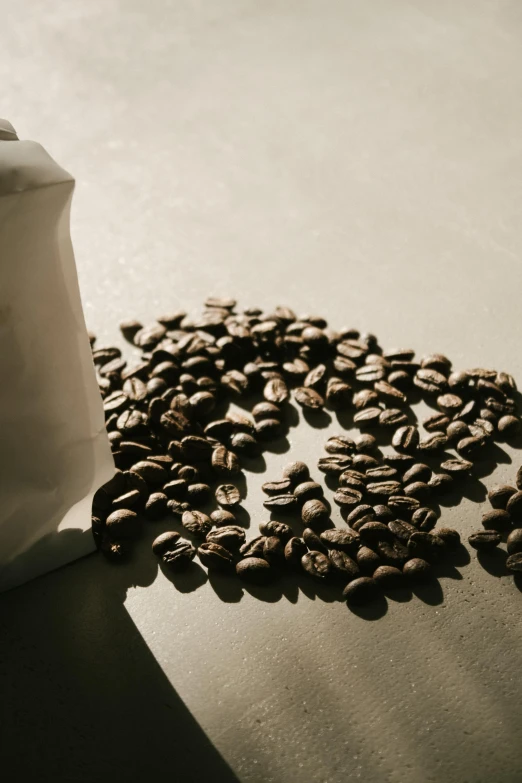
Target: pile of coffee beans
pixel 179 447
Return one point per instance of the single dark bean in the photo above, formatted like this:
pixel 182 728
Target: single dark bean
pixel 283 503
pixel 225 462
pixel 308 490
pixel 214 556
pixel 164 542
pixel 514 542
pixel 509 426
pixel 424 519
pixel 499 495
pixel 427 546
pixel 345 540
pixel 295 548
pixel 401 529
pixel 360 590
pixel 231 537
pixel 450 537
pixel 334 465
pixel 156 506
pixel 123 523
pixel 222 518
pixel 273 528
pixel 256 570
pixel 340 444
pixel 418 472
pixel 514 505
pixel 197 523
pixel 484 540
pixel 406 438
pixel 417 569
pixel 498 519
pixel 316 564
pixel 198 494
pixel 388 577
pixel 514 563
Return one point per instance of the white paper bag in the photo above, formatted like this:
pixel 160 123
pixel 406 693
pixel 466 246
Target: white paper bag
pixel 54 451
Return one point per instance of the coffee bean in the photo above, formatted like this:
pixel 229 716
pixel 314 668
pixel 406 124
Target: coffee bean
pixel 308 490
pixel 400 462
pixel 156 506
pixel 360 590
pixel 176 490
pixel 373 532
pixel 406 438
pixel 450 537
pixel 470 448
pixel 309 398
pixel 438 362
pixel 128 500
pixel 514 563
pixel 276 390
pixel 334 465
pixel 273 551
pixel 484 540
pixel 518 480
pixel 381 473
pixel 103 356
pixel 514 505
pixel 316 564
pixel 360 511
pixel 343 565
pixel 189 473
pixel 418 472
pixel 457 467
pixel 367 417
pixel 383 489
pixel 366 444
pixel 150 472
pixel 499 495
pixel 427 546
pixel 295 548
pixel 457 430
pixel 296 472
pixel 388 577
pixel 123 524
pixel 393 417
pixel 441 483
pixel 514 542
pixel 197 523
pixel 255 570
pixel 401 530
pixel 437 422
pixel 222 518
pixel 383 513
pixel 177 508
pixel 314 513
pixel 509 426
pixel 231 537
pixel 345 540
pixel 165 542
pixel 338 394
pixel 399 354
pixel 268 429
pixel 368 560
pixel 284 503
pixel 418 490
pixel 347 497
pixel 417 569
pixel 433 443
pixel 449 403
pixel 225 462
pixel 313 541
pixel 198 494
pixel 482 428
pixel 497 519
pixel 214 556
pixel 365 398
pixel 228 495
pixel 364 462
pixel 424 519
pixel 266 410
pixel 317 377
pixel 273 528
pixel 401 379
pixel 116 401
pixel 340 444
pixel 430 381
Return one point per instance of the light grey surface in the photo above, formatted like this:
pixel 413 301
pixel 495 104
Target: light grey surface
pixel 361 160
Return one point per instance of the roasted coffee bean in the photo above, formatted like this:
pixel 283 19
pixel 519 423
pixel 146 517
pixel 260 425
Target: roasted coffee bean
pixel 424 519
pixel 116 401
pixel 313 542
pixel 174 423
pixel 430 381
pixel 135 481
pixel 449 403
pixel 308 490
pixel 437 422
pixel 373 532
pixel 268 429
pixel 406 438
pixel 433 443
pixel 364 462
pixel 165 542
pixel 360 511
pixel 276 390
pixel 150 472
pixel 132 423
pixel 459 381
pixel 367 417
pixel 195 448
pixel 393 417
pixel 103 356
pixel 382 473
pixel 214 556
pixel 457 467
pixel 484 540
pixel 334 465
pixel 353 479
pixel 450 537
pixel 296 472
pixel 177 508
pixel 481 428
pixel 365 398
pixel 457 430
pixel 401 379
pixel 123 524
pixel 385 489
pixel 514 505
pixel 370 373
pixel 273 551
pixel 357 525
pixel 128 500
pixel 514 542
pixel 441 483
pixel 437 361
pixel 499 495
pixel 308 398
pixel 498 519
pixel 399 354
pixel 368 560
pixel 228 495
pixel 284 503
pixel 222 518
pixel 149 336
pixel 383 513
pixel 509 426
pixel 231 537
pixel 388 577
pixel 345 540
pixel 176 490
pixel 360 590
pixel 221 429
pixel 400 462
pixel 347 497
pixel 225 462
pixel 344 367
pixel 418 490
pixel 314 513
pixel 266 410
pixel 505 382
pixel 514 563
pixel 135 449
pixel 343 565
pixel 244 443
pixel 189 473
pixel 295 548
pixel 427 546
pixel 401 530
pixel 417 569
pixel 197 523
pixel 470 448
pixel 317 377
pixel 366 443
pixel 418 472
pixel 273 528
pixel 256 570
pixel 338 394
pixel 156 506
pixel 155 387
pixel 403 505
pixel 340 444
pixel 518 480
pixel 316 564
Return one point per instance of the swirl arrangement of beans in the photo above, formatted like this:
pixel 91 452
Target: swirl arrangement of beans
pixel 179 447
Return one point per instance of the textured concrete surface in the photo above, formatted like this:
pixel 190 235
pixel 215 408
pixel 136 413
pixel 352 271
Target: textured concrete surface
pixel 361 160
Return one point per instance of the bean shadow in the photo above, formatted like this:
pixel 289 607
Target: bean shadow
pixel 371 611
pixel 105 709
pixel 494 562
